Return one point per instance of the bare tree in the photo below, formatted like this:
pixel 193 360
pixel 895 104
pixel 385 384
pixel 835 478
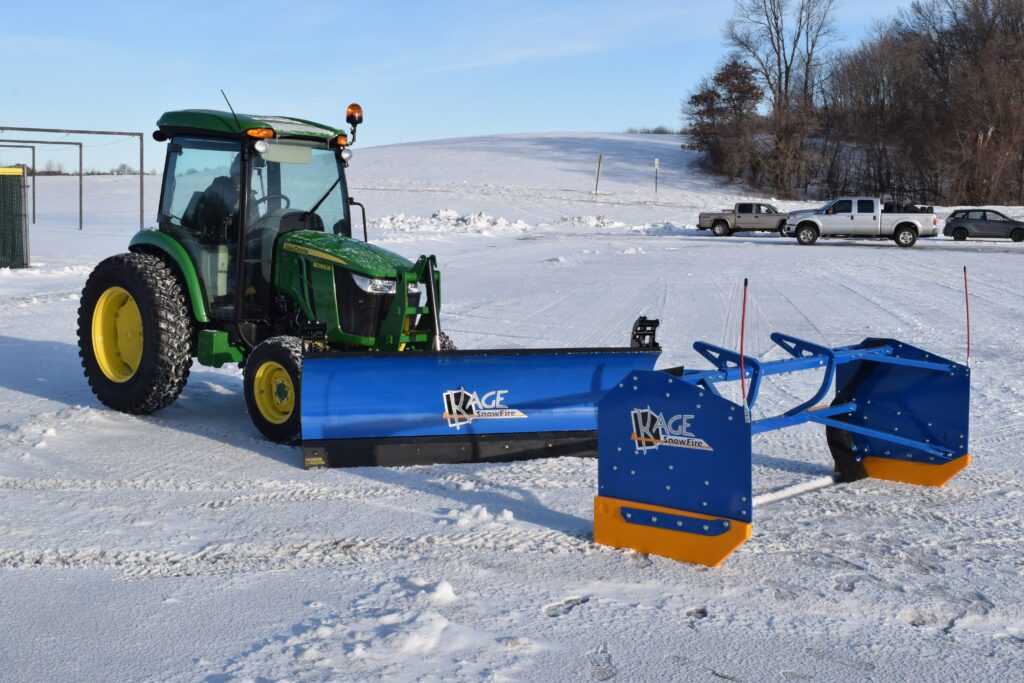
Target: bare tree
pixel 785 41
pixel 52 167
pixel 931 108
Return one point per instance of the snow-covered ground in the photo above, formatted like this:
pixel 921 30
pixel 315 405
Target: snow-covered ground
pixel 182 546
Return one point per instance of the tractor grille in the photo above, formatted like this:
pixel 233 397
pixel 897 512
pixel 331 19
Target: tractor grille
pixel 359 313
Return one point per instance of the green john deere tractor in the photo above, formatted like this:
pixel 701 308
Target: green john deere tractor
pixel 253 261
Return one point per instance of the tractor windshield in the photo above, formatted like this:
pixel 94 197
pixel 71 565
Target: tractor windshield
pixel 293 178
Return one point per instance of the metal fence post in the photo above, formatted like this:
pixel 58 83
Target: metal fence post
pixel 80 187
pixel 24 218
pixel 142 183
pixel 43 143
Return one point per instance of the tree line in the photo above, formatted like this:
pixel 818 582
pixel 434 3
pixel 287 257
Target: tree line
pixel 928 109
pixel 55 168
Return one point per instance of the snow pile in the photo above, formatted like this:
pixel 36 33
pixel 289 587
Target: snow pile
pixel 446 221
pixel 588 222
pixel 477 514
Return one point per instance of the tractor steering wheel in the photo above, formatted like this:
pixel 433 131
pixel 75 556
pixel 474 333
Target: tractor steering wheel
pixel 287 201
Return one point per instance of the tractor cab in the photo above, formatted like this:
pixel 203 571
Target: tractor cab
pixel 234 184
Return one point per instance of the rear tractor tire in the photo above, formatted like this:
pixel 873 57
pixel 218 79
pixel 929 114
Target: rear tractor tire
pixel 135 333
pixel 960 234
pixel 273 382
pixel 720 229
pixel 1017 235
pixel 806 234
pixel 905 236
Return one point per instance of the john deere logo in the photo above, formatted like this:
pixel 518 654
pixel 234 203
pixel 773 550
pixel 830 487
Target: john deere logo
pixel 651 430
pixel 462 407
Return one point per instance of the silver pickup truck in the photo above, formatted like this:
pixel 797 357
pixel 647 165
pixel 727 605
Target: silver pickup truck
pixel 745 216
pixel 861 217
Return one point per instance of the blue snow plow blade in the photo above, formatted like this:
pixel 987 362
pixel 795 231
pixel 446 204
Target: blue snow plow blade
pixel 366 409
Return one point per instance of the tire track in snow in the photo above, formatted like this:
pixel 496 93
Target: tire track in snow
pixel 227 558
pixel 269 490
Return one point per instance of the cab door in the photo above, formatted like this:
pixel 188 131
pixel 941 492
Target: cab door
pixel 838 217
pixel 866 218
pixel 199 206
pixel 745 217
pixel 767 217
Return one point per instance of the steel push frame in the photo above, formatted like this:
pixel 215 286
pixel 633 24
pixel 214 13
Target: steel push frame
pixel 674 471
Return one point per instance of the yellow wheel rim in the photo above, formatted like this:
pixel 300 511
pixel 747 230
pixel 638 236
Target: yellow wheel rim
pixel 274 392
pixel 117 334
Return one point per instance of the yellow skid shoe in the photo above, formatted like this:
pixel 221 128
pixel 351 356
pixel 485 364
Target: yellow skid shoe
pixel 675 534
pixel 919 473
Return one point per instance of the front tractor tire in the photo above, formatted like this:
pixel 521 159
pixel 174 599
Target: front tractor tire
pixel 273 377
pixel 135 333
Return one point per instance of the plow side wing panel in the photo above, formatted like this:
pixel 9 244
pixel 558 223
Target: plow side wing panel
pixel 674 470
pixel 924 405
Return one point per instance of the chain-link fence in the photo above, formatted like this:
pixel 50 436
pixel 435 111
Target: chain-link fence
pixel 13 219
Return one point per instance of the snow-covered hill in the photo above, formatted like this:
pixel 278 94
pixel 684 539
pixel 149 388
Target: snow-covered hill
pixel 182 546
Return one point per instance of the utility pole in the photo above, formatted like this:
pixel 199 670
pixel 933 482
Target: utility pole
pixel 597 178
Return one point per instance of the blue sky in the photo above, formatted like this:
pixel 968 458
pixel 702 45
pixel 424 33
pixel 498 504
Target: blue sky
pixel 421 70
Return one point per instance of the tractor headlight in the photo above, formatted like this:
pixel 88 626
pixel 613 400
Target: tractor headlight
pixel 374 285
pixel 346 154
pixel 261 146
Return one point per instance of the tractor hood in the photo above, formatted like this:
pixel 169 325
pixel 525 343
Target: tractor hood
pixel 355 255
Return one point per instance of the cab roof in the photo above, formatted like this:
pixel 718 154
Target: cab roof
pixel 223 123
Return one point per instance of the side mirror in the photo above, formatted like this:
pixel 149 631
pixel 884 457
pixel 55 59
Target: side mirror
pixel 353 202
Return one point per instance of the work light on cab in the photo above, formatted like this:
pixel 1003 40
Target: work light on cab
pixel 260 133
pixel 354 116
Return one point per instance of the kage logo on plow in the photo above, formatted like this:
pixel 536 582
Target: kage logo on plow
pixel 651 429
pixel 462 407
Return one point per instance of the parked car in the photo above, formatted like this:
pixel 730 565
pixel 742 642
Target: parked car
pixel 860 217
pixel 745 216
pixel 965 223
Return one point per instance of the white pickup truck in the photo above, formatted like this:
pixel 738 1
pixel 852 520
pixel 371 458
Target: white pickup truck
pixel 863 217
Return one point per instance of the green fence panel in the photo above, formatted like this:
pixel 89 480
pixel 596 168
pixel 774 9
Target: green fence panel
pixel 13 219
